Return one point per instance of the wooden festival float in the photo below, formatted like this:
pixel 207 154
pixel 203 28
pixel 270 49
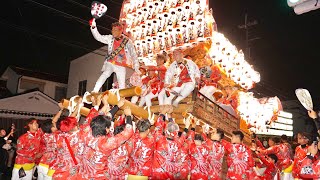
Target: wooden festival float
pixel 156 26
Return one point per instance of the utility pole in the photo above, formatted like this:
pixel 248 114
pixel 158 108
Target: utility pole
pixel 246 26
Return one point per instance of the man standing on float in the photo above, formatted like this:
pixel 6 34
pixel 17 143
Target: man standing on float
pixel 121 54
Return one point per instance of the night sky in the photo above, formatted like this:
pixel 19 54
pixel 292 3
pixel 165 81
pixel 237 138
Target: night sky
pixel 47 34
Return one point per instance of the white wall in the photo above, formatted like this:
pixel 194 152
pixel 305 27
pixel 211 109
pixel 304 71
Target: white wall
pixel 87 67
pixel 49 87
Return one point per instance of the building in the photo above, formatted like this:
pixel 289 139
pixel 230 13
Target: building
pixel 20 107
pixel 85 70
pixel 19 80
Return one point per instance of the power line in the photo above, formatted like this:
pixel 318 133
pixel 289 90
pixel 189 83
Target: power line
pixel 65 14
pixel 24 29
pixel 84 6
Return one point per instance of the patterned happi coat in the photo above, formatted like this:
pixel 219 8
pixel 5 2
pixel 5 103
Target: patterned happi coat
pixel 310 168
pixel 117 166
pixel 65 166
pixel 49 156
pixel 300 154
pixel 141 158
pixel 271 169
pixel 215 157
pixel 161 75
pixel 200 167
pixel 283 153
pixel 167 154
pixel 213 79
pixel 239 160
pixel 28 146
pixel 97 150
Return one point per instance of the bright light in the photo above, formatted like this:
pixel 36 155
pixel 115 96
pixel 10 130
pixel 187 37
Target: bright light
pixel 257 112
pixel 285 114
pixel 284 120
pixel 281 126
pixel 294 1
pixel 157 26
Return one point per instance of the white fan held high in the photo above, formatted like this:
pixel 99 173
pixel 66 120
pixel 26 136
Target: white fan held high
pixel 305 99
pixel 98 9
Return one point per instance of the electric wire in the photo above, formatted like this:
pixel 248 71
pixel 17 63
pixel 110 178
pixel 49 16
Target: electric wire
pixel 66 14
pixel 46 36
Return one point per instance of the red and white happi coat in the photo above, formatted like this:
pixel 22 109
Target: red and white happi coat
pixel 271 169
pixel 141 158
pixel 155 85
pixel 173 73
pixel 215 157
pixel 28 146
pixel 98 149
pixel 213 79
pixel 282 152
pixel 184 75
pixel 300 154
pixel 50 155
pixel 239 160
pixel 310 168
pixel 167 154
pixel 200 167
pixel 117 165
pixel 67 163
pixel 158 84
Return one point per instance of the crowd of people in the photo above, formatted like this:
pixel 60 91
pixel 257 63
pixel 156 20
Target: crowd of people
pixel 106 147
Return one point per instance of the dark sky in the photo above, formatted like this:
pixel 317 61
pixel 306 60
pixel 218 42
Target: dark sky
pixel 47 36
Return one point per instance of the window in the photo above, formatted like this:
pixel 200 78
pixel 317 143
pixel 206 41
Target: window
pixel 82 87
pixel 60 93
pixel 26 84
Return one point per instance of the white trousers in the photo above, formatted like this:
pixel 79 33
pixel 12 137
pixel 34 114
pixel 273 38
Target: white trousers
pixel 162 96
pixel 43 173
pixel 15 174
pixel 184 90
pixel 208 92
pixel 286 176
pixel 149 97
pixel 109 69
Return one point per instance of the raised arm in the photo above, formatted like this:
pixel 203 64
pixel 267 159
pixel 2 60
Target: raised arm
pixel 107 144
pixel 106 39
pixel 57 116
pixel 270 150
